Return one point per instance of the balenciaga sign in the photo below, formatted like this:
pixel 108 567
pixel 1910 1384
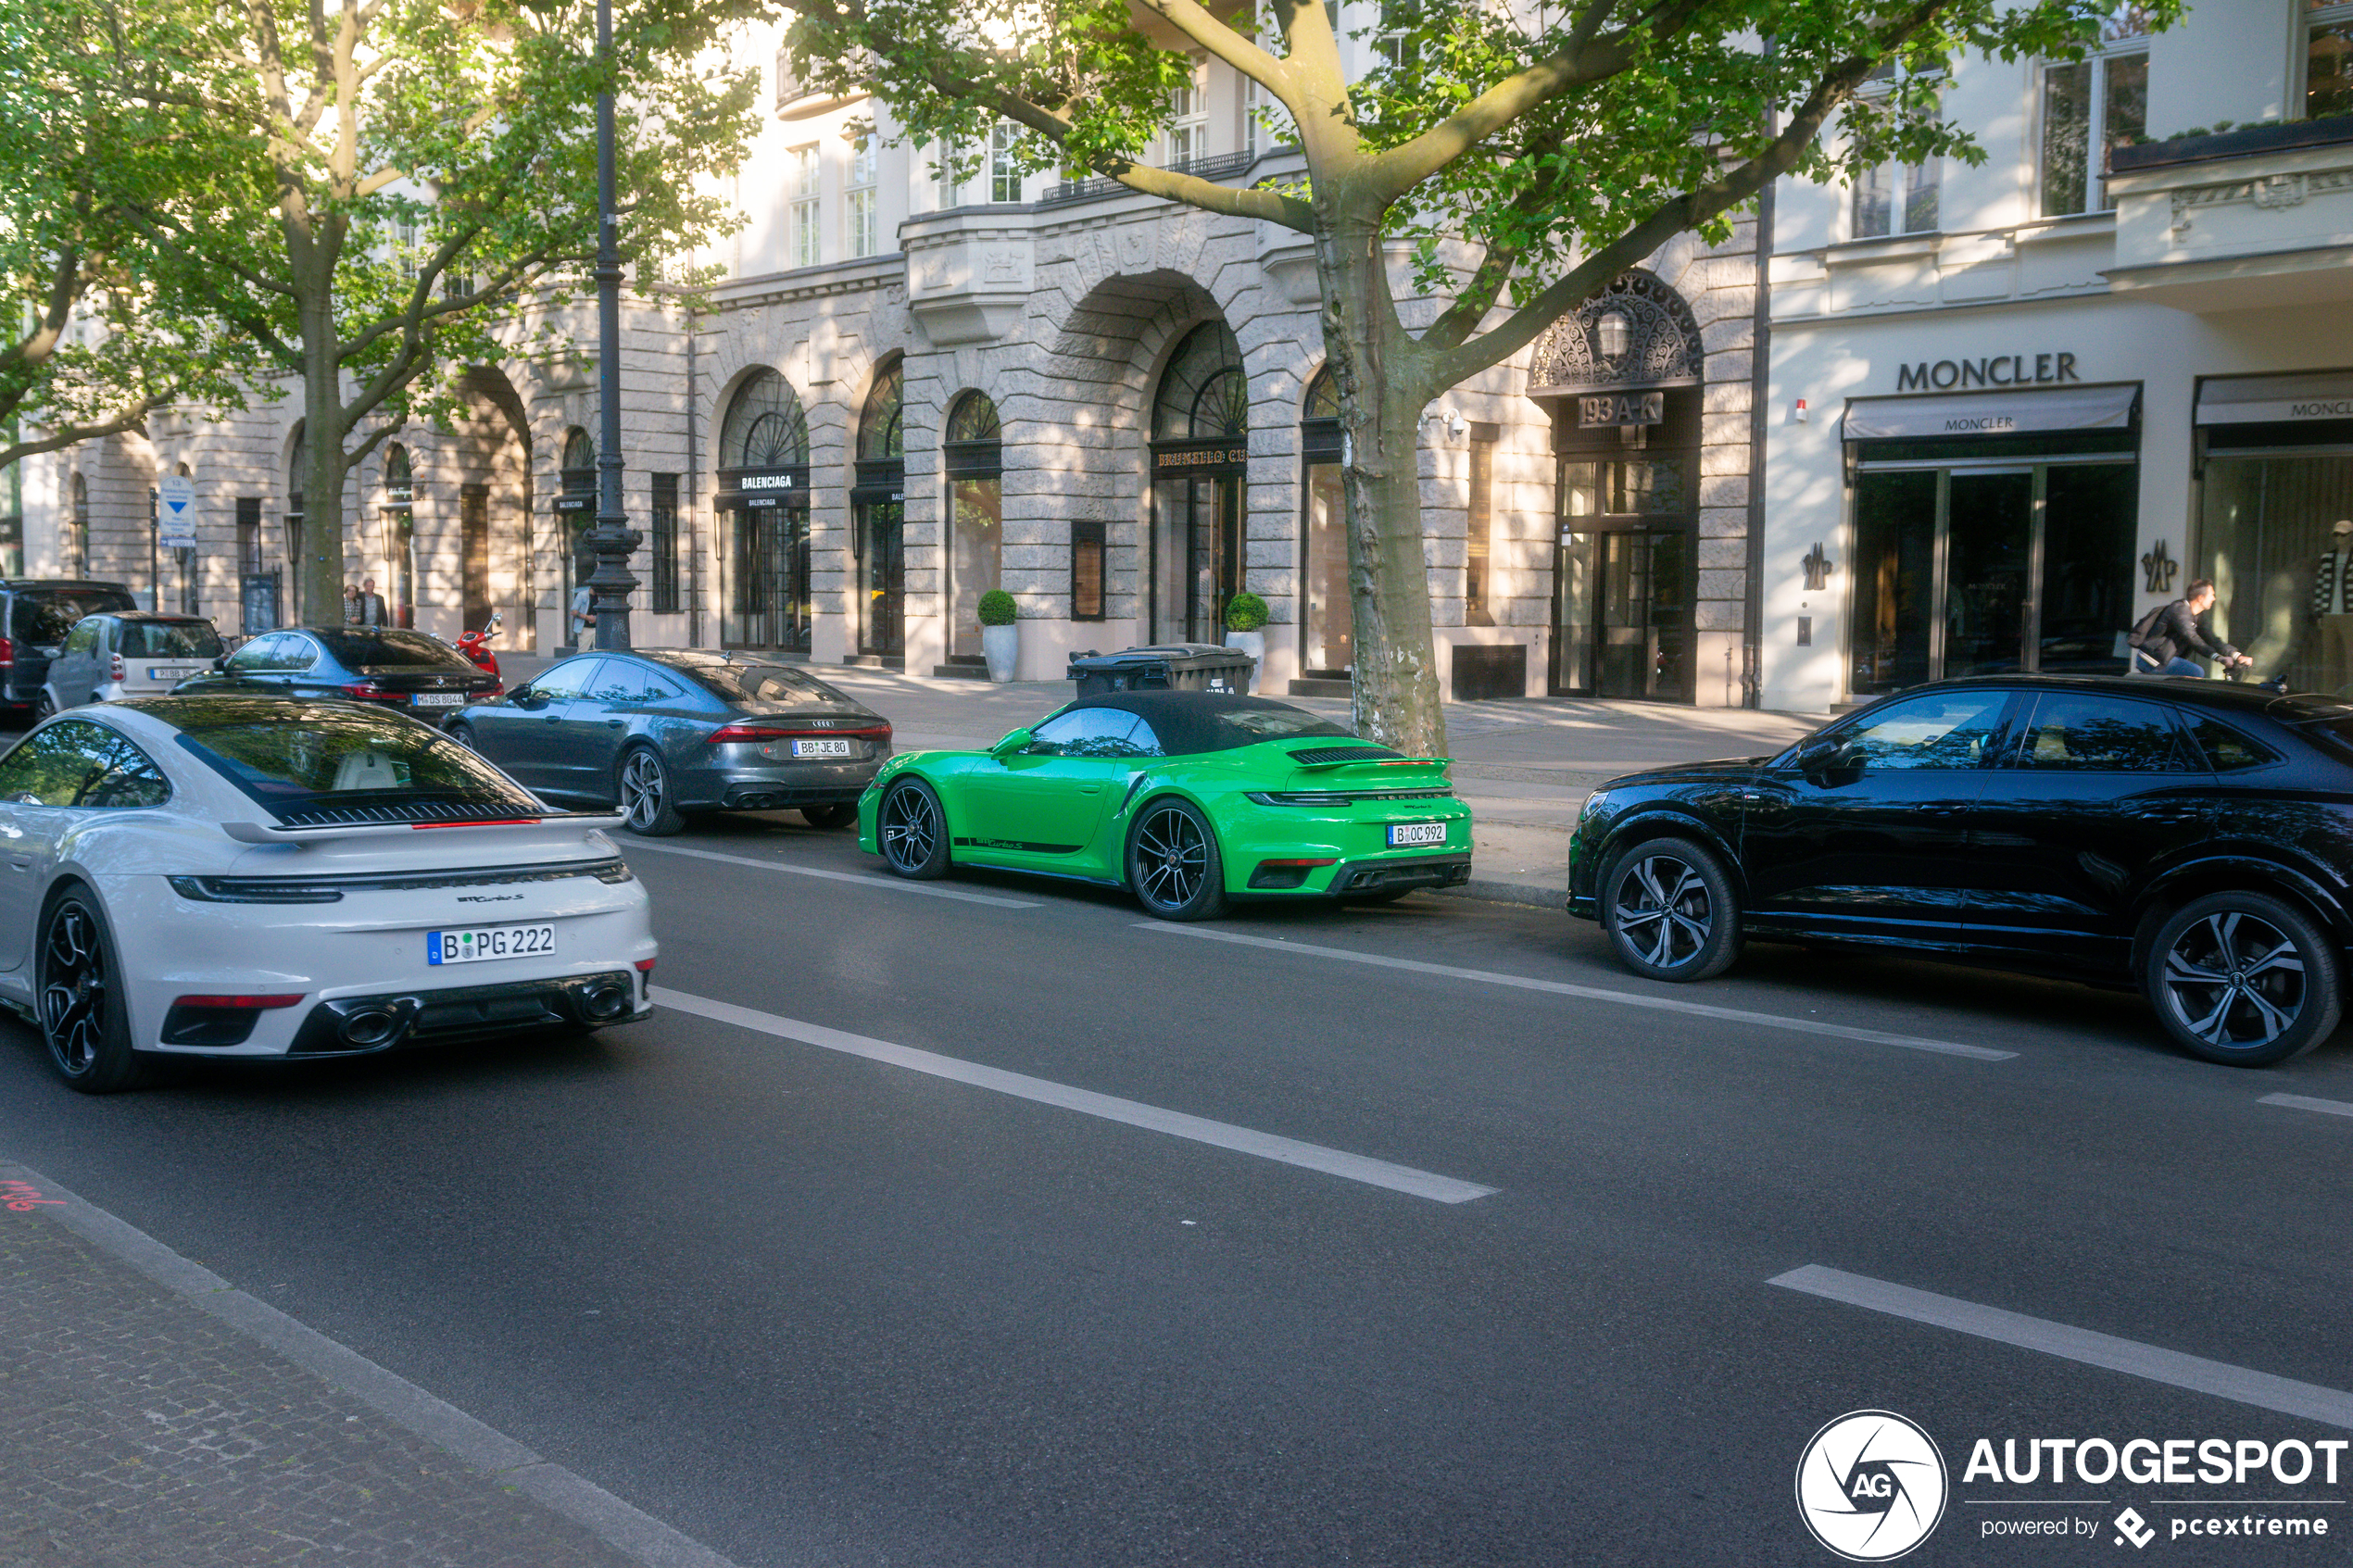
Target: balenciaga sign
pixel 1999 369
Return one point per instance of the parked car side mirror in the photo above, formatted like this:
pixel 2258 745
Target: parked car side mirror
pixel 1012 743
pixel 221 664
pixel 1821 754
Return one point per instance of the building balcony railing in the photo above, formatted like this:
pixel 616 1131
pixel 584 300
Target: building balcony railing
pixel 1215 166
pixel 2239 218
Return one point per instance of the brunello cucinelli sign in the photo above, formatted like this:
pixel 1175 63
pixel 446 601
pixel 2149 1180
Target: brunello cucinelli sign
pixel 1220 457
pixel 1622 408
pixel 1998 369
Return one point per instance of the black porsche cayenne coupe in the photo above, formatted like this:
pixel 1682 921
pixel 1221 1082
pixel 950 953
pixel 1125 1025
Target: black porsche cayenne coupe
pixel 2193 839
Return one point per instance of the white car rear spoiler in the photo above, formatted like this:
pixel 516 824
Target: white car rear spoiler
pixel 269 832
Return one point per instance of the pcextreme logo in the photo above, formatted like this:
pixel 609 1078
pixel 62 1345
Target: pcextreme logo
pixel 1870 1485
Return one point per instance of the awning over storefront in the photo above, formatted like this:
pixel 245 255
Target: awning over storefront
pixel 1990 413
pixel 2250 400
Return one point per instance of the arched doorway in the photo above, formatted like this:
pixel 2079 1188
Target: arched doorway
pixel 575 508
pixel 1200 456
pixel 1621 377
pixel 400 512
pixel 1328 617
pixel 77 541
pixel 491 563
pixel 879 505
pixel 975 452
pixel 763 494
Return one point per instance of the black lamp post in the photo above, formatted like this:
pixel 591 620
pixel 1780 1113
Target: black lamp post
pixel 613 540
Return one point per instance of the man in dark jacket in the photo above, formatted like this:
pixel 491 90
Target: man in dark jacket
pixel 2178 631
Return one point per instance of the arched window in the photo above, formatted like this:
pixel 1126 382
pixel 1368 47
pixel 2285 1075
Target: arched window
pixel 975 451
pixel 77 543
pixel 400 537
pixel 764 428
pixel 879 435
pixel 1204 394
pixel 1328 617
pixel 879 500
pixel 580 458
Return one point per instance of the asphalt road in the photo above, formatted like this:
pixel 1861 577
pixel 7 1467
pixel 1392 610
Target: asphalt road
pixel 812 1299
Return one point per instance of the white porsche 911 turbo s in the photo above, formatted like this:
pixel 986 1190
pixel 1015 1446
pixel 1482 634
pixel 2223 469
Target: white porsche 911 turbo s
pixel 257 876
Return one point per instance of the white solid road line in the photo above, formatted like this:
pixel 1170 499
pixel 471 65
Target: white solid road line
pixel 2306 1102
pixel 2194 1372
pixel 885 883
pixel 620 1524
pixel 1595 994
pixel 1176 1123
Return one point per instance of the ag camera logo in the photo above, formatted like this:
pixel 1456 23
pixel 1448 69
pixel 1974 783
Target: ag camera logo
pixel 1871 1486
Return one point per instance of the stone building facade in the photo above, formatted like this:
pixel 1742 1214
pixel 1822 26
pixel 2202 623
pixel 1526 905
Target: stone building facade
pixel 904 392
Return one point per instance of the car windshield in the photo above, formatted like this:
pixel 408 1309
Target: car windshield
pixel 374 648
pixel 763 685
pixel 291 754
pixel 169 639
pixel 47 615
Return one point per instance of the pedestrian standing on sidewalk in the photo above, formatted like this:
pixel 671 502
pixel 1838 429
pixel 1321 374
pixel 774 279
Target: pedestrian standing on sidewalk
pixel 2164 641
pixel 351 603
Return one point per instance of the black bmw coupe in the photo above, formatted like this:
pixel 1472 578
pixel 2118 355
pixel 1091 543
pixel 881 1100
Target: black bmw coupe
pixel 2193 839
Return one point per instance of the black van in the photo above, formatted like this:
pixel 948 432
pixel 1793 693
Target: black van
pixel 38 613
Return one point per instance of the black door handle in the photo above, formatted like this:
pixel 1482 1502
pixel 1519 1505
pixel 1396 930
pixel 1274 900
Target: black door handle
pixel 612 723
pixel 553 717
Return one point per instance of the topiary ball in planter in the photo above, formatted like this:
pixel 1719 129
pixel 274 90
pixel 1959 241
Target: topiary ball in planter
pixel 1245 612
pixel 997 609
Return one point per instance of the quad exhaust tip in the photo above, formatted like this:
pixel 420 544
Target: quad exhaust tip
pixel 606 1002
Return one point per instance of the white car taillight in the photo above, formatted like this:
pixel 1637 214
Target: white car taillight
pixel 114 667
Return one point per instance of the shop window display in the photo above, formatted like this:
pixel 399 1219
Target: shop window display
pixel 2268 539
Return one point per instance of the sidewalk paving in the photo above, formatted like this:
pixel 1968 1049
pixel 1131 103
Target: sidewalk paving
pixel 148 1425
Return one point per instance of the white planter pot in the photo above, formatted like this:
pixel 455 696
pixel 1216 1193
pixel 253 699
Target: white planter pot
pixel 1254 645
pixel 1000 645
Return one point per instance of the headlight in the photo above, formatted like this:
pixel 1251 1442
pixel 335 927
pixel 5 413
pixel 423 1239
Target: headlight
pixel 1593 802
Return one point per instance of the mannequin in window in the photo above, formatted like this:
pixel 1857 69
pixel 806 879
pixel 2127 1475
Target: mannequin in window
pixel 2333 606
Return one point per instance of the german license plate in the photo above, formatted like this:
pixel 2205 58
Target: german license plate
pixel 169 672
pixel 490 942
pixel 821 748
pixel 439 699
pixel 1401 833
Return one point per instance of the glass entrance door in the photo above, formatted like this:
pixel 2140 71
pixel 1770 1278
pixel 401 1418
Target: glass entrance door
pixel 1622 615
pixel 1988 571
pixel 1197 556
pixel 768 604
pixel 882 566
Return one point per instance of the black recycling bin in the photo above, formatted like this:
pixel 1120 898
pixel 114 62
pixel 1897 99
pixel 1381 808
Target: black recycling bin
pixel 1185 666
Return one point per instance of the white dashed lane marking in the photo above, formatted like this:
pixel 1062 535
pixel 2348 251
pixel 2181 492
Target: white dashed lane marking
pixel 1153 1117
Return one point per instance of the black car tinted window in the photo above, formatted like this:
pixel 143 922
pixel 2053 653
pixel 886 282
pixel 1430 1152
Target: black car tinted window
pixel 2078 732
pixel 765 685
pixel 256 654
pixel 359 647
pixel 286 754
pixel 74 762
pixel 1941 730
pixel 47 615
pixel 2226 750
pixel 169 639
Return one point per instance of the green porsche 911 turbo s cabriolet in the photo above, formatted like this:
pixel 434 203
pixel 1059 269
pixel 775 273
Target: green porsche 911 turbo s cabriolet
pixel 1186 798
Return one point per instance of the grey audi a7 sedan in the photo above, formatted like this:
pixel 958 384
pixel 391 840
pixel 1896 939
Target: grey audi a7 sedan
pixel 660 732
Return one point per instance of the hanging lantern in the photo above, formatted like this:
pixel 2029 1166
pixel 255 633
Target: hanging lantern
pixel 1615 332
